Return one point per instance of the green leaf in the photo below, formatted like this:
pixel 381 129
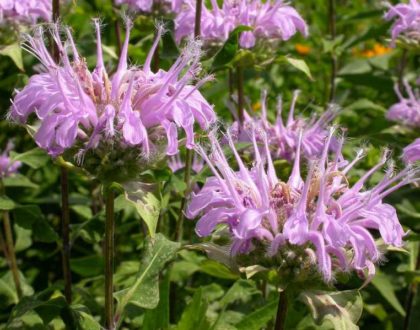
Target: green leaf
pixel 8 294
pixel 334 310
pixel 383 284
pixel 23 238
pixel 14 51
pixel 31 217
pixel 87 266
pixel 194 315
pixel 217 269
pixel 19 180
pixel 6 204
pixel 34 158
pixel 259 318
pixel 82 320
pixel 158 318
pixel 146 204
pixel 145 290
pixel 297 64
pixel 228 52
pixel 241 290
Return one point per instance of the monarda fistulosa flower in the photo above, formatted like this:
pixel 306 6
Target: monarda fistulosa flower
pixel 407 110
pixel 99 118
pixel 25 11
pixel 7 165
pixel 411 153
pixel 406 18
pixel 269 20
pixel 147 6
pixel 283 135
pixel 318 224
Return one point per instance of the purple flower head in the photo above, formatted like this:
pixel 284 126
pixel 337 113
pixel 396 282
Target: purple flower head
pixel 406 18
pixel 147 5
pixel 283 135
pixel 411 153
pixel 134 108
pixel 25 11
pixel 268 20
pixel 321 215
pixel 7 165
pixel 407 110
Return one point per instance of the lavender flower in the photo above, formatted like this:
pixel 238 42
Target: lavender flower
pixel 7 165
pixel 407 110
pixel 283 137
pixel 133 109
pixel 147 5
pixel 407 20
pixel 268 20
pixel 25 11
pixel 322 217
pixel 411 153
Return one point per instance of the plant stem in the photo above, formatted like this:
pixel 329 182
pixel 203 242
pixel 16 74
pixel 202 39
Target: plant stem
pixel 281 311
pixel 241 98
pixel 187 180
pixel 197 26
pixel 155 60
pixel 412 290
pixel 65 233
pixel 109 259
pixel 11 253
pixel 333 33
pixel 65 209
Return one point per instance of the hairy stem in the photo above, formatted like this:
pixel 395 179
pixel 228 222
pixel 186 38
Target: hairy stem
pixel 118 36
pixel 412 290
pixel 109 259
pixel 241 97
pixel 333 33
pixel 65 233
pixel 11 253
pixel 155 60
pixel 281 311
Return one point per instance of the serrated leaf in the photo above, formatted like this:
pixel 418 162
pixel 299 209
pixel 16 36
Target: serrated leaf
pixel 334 310
pixel 145 290
pixel 14 51
pixel 146 204
pixel 34 158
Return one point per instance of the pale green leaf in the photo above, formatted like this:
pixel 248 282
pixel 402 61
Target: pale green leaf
pixel 6 203
pixel 144 292
pixel 14 51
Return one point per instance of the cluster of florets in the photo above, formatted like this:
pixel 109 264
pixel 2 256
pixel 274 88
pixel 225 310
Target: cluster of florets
pixel 407 110
pixel 283 136
pixel 268 20
pixel 25 11
pixel 407 20
pixel 148 6
pixel 7 165
pixel 135 108
pixel 332 221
